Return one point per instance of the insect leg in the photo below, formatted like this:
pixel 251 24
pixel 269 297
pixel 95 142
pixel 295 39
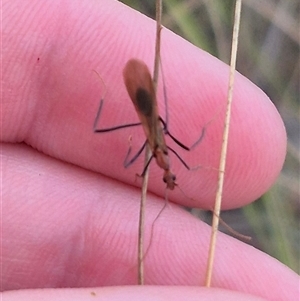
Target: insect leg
pixel 177 141
pixel 126 162
pixel 181 160
pixel 111 128
pixel 146 166
pixel 199 139
pixel 165 123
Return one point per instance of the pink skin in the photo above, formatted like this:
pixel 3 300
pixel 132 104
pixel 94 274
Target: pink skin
pixel 75 225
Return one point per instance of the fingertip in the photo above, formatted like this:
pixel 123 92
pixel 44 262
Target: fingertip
pixel 62 99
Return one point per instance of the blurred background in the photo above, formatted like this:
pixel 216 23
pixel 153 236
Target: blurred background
pixel 268 55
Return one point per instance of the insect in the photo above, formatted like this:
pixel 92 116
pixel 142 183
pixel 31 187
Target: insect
pixel 139 85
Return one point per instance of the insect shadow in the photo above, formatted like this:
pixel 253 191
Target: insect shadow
pixel 140 87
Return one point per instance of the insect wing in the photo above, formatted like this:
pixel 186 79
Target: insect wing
pixel 140 88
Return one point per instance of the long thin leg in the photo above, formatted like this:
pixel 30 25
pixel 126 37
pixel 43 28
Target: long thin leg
pixel 181 160
pixel 132 160
pixel 166 123
pixel 146 166
pixel 199 139
pixel 166 131
pixel 111 128
pixel 126 164
pixel 177 141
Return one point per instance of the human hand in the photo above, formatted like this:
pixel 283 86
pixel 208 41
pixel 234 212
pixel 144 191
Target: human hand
pixel 69 208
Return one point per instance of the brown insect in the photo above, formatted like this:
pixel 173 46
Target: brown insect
pixel 139 85
pixel 140 88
